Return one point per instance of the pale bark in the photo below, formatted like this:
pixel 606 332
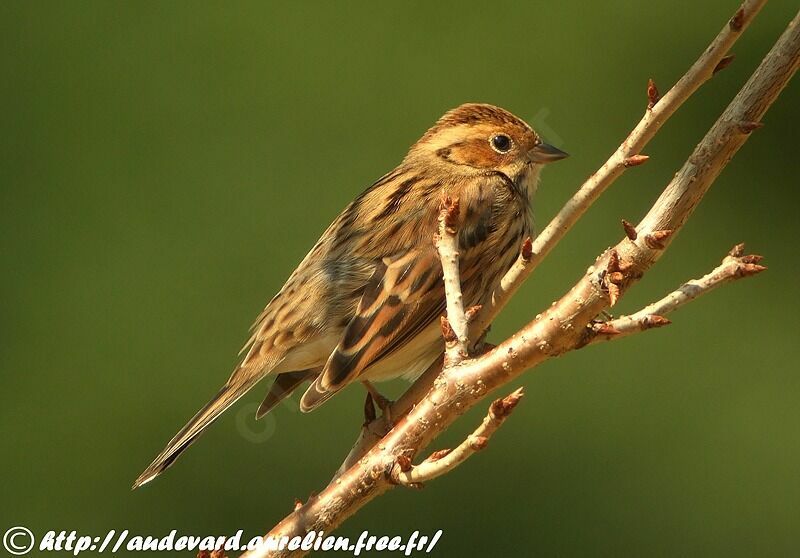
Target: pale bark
pixel 571 322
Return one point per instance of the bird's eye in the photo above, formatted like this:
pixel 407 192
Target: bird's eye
pixel 501 143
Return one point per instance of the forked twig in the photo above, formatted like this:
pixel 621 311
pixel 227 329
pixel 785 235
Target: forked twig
pixel 532 253
pixel 735 266
pixel 444 461
pixel 566 325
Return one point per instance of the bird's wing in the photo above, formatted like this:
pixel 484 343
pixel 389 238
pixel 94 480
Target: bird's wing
pixel 403 296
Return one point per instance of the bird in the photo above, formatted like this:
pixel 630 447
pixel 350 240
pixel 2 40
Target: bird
pixel 365 303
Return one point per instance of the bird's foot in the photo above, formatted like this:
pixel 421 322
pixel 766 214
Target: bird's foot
pixel 384 404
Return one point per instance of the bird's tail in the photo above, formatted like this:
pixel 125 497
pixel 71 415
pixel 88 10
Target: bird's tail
pixel 226 397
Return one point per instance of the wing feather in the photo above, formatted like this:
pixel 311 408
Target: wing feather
pixel 402 297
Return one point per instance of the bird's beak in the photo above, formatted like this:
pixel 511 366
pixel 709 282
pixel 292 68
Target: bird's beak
pixel 545 153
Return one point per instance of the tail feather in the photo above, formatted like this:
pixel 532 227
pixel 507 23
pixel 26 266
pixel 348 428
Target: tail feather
pixel 226 397
pixel 283 387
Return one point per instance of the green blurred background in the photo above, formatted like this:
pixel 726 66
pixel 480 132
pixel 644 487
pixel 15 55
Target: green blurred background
pixel 165 165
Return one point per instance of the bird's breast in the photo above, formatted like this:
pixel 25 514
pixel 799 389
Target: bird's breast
pixel 489 244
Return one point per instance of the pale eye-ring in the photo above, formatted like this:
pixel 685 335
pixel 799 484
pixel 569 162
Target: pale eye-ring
pixel 501 143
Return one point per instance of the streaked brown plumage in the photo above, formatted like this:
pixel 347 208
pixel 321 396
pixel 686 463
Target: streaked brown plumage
pixel 364 303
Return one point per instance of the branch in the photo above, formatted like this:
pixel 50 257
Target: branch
pixel 444 461
pixel 734 266
pixel 628 154
pixel 659 109
pixel 565 325
pixel 454 326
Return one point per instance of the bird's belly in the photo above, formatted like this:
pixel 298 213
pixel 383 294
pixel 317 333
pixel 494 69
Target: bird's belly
pixel 308 355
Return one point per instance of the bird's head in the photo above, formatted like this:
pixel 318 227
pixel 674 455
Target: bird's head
pixel 481 137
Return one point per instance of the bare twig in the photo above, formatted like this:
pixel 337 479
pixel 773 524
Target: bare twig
pixel 564 325
pixel 443 461
pixel 734 266
pixel 532 253
pixel 659 110
pixel 454 326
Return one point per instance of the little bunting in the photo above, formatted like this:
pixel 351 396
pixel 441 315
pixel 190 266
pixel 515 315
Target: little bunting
pixel 364 304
